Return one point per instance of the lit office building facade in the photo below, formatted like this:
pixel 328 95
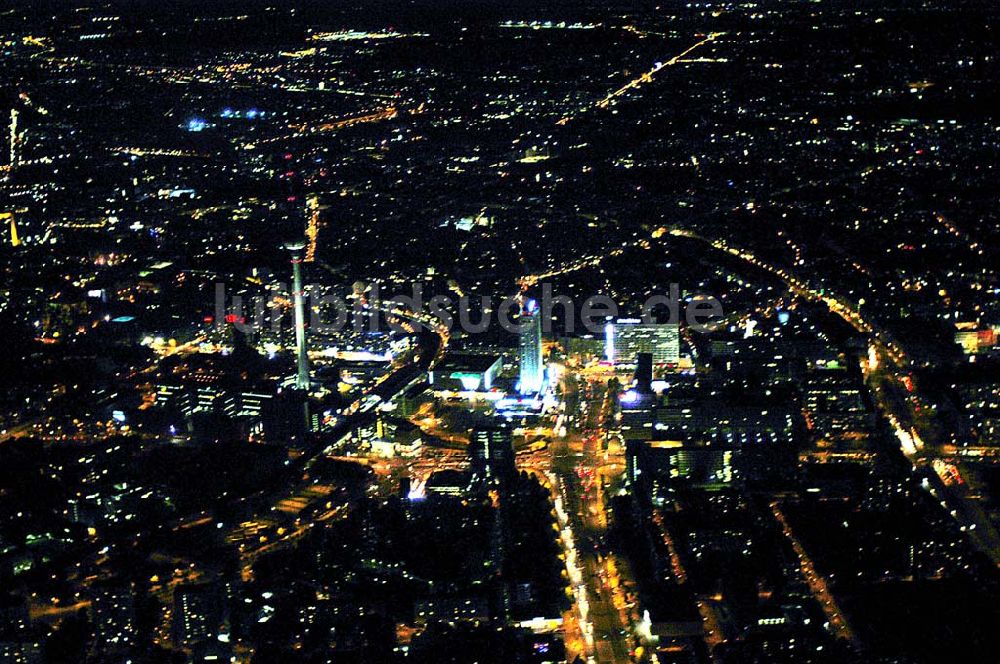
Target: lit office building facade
pixel 626 338
pixel 532 372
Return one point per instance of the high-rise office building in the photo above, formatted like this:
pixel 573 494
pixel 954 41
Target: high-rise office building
pixel 197 613
pixel 644 373
pixel 18 643
pixel 532 371
pixel 491 449
pixel 660 463
pixel 112 613
pixel 626 338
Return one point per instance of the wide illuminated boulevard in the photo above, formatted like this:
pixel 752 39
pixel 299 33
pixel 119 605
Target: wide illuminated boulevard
pixel 499 332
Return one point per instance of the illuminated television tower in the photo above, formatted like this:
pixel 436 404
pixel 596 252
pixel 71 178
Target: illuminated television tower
pixel 295 247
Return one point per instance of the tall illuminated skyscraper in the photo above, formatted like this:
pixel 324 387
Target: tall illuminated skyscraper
pixel 532 371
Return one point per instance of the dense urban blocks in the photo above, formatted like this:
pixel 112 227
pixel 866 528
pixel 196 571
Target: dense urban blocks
pixel 499 332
